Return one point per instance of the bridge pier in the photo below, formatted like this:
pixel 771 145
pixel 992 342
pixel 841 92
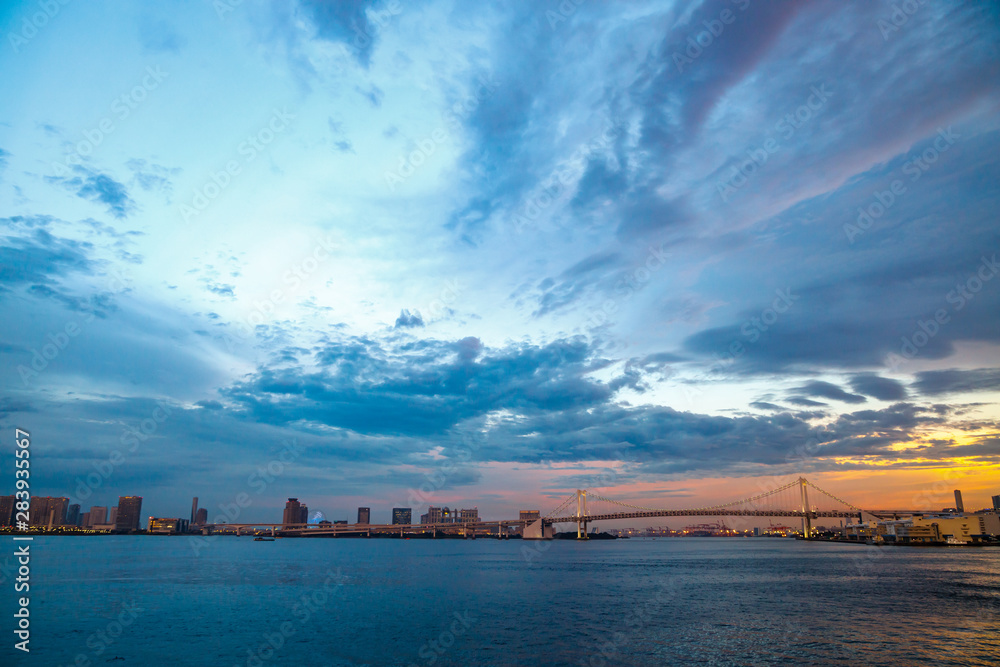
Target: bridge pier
pixel 806 510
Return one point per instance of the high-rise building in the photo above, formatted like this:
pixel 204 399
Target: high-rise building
pixel 38 511
pixel 194 510
pixel 996 503
pixel 294 512
pixel 58 507
pixel 433 515
pixel 113 515
pixel 73 515
pixel 46 511
pixel 129 513
pixel 364 515
pixel 402 516
pixel 8 503
pixel 202 517
pixel 98 515
pixel 466 516
pixel 303 514
pixel 958 501
pixel 85 520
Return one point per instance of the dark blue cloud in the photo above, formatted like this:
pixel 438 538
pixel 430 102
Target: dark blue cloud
pixel 936 383
pixel 427 386
pixel 828 390
pixel 98 187
pixel 884 389
pixel 804 402
pixel 407 319
pixel 39 258
pixel 346 22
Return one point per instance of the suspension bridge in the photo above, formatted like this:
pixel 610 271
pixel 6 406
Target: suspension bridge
pixel 791 500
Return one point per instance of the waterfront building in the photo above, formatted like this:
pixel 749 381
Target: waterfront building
pixel 989 523
pixel 996 503
pixel 112 515
pixel 58 507
pixel 402 516
pixel 73 515
pixel 434 515
pixel 466 516
pixel 295 512
pixel 97 515
pixel 959 505
pixel 85 520
pixel 167 526
pixel 194 510
pixel 364 515
pixel 7 506
pixel 47 511
pixel 928 529
pixel 128 516
pixel 38 510
pixel 202 517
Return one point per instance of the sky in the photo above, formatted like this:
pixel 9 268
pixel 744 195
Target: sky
pixel 483 254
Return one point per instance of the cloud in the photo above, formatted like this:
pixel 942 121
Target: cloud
pixel 574 282
pixel 884 389
pixel 764 405
pixel 428 386
pixel 954 381
pixel 407 319
pixel 152 177
pixel 221 289
pixel 40 257
pixel 97 187
pixel 805 402
pixel 373 94
pixel 345 22
pixel 829 390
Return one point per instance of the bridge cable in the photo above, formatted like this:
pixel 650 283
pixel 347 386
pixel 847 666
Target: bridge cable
pixel 696 509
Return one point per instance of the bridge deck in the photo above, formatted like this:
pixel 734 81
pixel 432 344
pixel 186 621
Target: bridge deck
pixel 723 512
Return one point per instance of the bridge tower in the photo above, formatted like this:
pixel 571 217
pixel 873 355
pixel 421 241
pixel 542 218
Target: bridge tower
pixel 806 510
pixel 581 513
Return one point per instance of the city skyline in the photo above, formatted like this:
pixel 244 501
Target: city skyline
pixel 641 249
pixel 57 511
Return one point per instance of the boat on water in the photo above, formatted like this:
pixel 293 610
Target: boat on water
pixel 263 539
